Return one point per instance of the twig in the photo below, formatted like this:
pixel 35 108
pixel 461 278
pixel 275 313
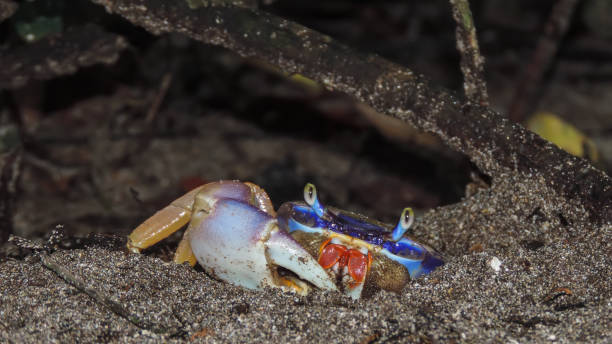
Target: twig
pixel 25 243
pixel 159 97
pixel 528 86
pixel 102 299
pixel 496 146
pixel 11 152
pixel 57 235
pixel 472 63
pixel 57 172
pixel 10 169
pixel 54 56
pixel 44 253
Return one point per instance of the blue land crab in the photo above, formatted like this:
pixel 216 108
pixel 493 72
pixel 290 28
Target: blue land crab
pixel 236 235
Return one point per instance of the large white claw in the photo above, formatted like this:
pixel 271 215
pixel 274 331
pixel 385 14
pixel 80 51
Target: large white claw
pixel 243 245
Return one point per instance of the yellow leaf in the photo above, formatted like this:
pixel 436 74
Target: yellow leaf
pixel 566 136
pixel 307 82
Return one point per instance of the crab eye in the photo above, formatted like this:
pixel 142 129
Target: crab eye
pixel 310 196
pixel 405 222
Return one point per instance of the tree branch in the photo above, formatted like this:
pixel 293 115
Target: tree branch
pixel 497 146
pixel 58 55
pixel 472 63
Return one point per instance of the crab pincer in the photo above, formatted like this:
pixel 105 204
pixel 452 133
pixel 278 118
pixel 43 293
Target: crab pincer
pixel 235 237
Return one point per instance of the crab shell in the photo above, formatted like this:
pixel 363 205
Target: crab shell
pixel 394 263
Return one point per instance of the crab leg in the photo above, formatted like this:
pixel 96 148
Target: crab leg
pixel 261 199
pixel 183 253
pixel 163 223
pixel 176 215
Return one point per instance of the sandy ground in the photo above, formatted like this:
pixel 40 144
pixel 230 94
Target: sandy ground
pixel 523 264
pixel 516 271
pixel 555 289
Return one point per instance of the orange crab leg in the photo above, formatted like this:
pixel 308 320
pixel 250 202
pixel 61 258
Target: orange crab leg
pixel 163 223
pixel 184 253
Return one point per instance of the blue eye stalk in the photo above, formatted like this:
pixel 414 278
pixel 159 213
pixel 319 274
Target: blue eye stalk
pixel 315 218
pixel 310 196
pixel 403 225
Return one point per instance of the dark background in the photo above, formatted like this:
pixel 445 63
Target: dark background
pixel 107 144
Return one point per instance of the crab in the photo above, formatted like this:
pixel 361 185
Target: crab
pixel 235 234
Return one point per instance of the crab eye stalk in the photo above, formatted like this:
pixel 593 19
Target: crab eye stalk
pixel 405 222
pixel 310 196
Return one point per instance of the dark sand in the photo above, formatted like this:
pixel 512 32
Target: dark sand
pixel 515 291
pixel 524 264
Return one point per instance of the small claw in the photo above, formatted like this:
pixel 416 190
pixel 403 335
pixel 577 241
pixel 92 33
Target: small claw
pixel 357 265
pixel 331 255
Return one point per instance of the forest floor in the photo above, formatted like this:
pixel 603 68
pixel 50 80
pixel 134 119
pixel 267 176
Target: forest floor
pixel 106 143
